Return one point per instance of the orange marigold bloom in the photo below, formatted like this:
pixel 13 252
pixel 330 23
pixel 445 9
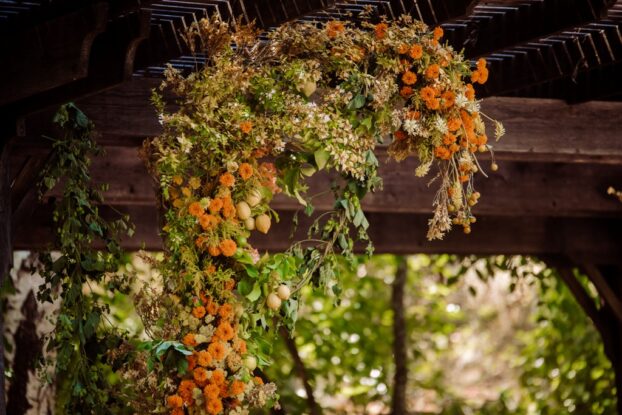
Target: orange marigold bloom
pixel 416 51
pixel 209 270
pixel 464 178
pixel 400 135
pixel 208 222
pixel 403 49
pixel 228 247
pixel 442 153
pixel 413 115
pixel 258 380
pixel 215 205
pixel 454 124
pixel 409 78
pixel 195 209
pixel 218 377
pixel 227 179
pixel 211 391
pixel 225 331
pixel 204 358
pixel 246 127
pixel 483 76
pixel 449 99
pixel 481 63
pixel 237 387
pixel 192 361
pixel 198 312
pixel 475 76
pixel 185 391
pixel 241 346
pixel 229 211
pixel 454 148
pixel 189 340
pixel 212 308
pixel 217 350
pixel 200 375
pixel 245 170
pixel 229 284
pixel 470 92
pixel 433 104
pixel 433 71
pixel 174 401
pixel 226 310
pixel 199 241
pixel 438 32
pixel 334 28
pixel 428 93
pixel 449 138
pixel 178 411
pixel 213 406
pixel 381 30
pixel 213 250
pixel 406 91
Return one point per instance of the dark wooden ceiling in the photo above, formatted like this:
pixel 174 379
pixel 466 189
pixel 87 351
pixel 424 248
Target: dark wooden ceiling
pixel 553 65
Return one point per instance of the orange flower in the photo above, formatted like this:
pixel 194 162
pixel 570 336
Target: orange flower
pixel 218 377
pixel 185 391
pixel 217 350
pixel 212 308
pixel 215 205
pixel 381 30
pixel 195 209
pixel 400 135
pixel 334 28
pixel 475 76
pixel 449 99
pixel 241 346
pixel 227 179
pixel 204 358
pixel 192 361
pixel 229 284
pixel 449 138
pixel 199 241
pixel 438 33
pixel 178 180
pixel 470 92
pixel 442 153
pixel 208 222
pixel 258 380
pixel 228 247
pixel 209 270
pixel 189 340
pixel 483 76
pixel 211 391
pixel 454 124
pixel 200 375
pixel 246 127
pixel 454 147
pixel 402 49
pixel 406 91
pixel 464 178
pixel 433 104
pixel 413 115
pixel 237 387
pixel 409 78
pixel 225 331
pixel 416 51
pixel 229 211
pixel 245 170
pixel 481 63
pixel 175 401
pixel 225 310
pixel 198 312
pixel 427 93
pixel 213 406
pixel 178 411
pixel 432 71
pixel 213 250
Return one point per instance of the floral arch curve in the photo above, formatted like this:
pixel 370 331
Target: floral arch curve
pixel 258 119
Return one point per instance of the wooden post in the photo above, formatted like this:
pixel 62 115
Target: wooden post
pixel 6 251
pixel 400 356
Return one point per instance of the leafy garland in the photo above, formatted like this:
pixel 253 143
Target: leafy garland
pixel 81 338
pixel 257 120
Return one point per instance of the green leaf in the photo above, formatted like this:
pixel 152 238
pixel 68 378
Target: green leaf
pixel 321 157
pixel 357 102
pixel 255 293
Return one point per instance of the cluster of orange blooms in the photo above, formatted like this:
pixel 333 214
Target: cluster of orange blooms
pixel 212 362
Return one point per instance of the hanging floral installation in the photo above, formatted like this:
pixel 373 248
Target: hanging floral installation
pixel 258 119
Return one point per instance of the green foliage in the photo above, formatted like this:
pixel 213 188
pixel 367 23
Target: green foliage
pixel 81 338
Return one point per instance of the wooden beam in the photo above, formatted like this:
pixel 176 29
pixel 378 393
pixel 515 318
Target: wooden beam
pixel 6 250
pixel 50 55
pixel 592 239
pixel 582 297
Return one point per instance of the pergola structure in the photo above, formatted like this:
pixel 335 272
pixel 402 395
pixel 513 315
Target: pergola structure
pixel 556 83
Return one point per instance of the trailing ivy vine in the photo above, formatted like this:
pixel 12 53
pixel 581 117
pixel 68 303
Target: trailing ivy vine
pixel 82 337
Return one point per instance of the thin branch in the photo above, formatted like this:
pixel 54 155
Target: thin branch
pixel 290 342
pixel 399 339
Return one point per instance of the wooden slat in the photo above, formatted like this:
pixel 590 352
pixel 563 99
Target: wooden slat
pixel 605 290
pixel 591 239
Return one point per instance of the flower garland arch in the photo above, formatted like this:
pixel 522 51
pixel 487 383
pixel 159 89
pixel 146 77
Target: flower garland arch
pixel 258 119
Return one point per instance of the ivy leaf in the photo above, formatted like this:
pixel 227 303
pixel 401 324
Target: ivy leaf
pixel 321 157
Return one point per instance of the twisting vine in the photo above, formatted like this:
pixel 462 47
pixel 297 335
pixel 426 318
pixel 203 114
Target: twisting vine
pixel 81 337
